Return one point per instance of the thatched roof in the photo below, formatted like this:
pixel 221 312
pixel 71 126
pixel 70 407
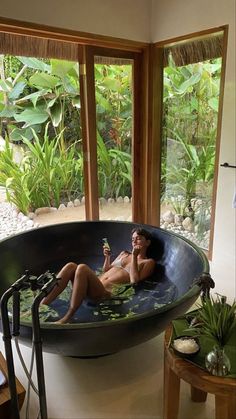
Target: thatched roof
pixel 194 51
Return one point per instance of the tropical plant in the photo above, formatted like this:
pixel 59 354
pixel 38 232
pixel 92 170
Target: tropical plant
pixel 38 92
pixel 114 122
pixel 190 113
pixel 114 171
pixel 216 319
pixel 114 105
pixel 13 177
pixel 193 165
pixel 41 91
pixel 46 175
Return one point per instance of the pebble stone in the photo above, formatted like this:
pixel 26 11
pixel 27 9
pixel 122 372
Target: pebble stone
pixel 13 222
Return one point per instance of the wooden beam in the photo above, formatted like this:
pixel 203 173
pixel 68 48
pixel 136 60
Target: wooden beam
pixel 83 38
pixel 89 133
pixel 154 134
pixel 137 169
pixel 218 136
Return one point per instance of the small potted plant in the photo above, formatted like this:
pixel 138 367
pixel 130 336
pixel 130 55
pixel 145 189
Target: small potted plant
pixel 216 320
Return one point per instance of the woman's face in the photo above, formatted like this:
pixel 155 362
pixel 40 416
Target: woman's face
pixel 138 240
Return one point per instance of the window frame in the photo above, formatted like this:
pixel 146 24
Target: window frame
pixel 155 136
pixel 90 45
pixel 148 79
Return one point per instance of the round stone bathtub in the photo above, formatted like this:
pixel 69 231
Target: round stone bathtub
pixel 136 314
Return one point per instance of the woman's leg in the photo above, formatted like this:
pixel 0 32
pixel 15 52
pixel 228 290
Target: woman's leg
pixel 86 284
pixel 65 275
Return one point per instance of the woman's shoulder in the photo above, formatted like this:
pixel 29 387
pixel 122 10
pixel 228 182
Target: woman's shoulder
pixel 125 252
pixel 150 261
pixel 122 253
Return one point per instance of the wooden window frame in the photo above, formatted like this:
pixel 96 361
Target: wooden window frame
pixel 156 108
pixel 90 45
pixel 90 144
pixel 147 80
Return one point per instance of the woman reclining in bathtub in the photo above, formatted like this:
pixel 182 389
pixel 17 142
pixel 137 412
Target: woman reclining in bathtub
pixel 128 267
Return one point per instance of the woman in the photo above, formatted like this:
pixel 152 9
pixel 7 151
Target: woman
pixel 126 268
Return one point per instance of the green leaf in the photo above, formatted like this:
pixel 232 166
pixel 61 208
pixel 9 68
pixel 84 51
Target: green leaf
pixel 5 86
pixel 32 116
pixel 112 84
pixel 35 63
pixel 194 104
pixel 19 133
pixel 190 82
pixel 44 80
pixel 98 72
pixel 8 111
pixel 71 85
pixel 214 103
pixel 52 101
pixel 34 96
pixel 56 114
pixel 103 102
pixel 61 67
pixel 76 102
pixel 17 90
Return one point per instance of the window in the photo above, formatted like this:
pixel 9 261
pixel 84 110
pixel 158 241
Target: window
pixel 64 56
pixel 192 92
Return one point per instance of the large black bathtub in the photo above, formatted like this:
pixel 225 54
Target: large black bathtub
pixel 123 323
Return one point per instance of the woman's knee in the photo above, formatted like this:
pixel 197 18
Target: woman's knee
pixel 70 265
pixel 69 268
pixel 82 268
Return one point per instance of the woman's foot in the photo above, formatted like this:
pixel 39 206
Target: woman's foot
pixel 65 319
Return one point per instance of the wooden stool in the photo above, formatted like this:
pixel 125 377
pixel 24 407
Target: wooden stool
pixel 5 404
pixel 201 383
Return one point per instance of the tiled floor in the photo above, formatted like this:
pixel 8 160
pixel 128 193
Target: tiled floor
pixel 126 385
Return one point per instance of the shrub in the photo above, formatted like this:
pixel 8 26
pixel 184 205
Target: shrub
pixel 46 175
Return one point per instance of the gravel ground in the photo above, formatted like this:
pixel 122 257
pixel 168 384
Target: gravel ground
pixel 12 221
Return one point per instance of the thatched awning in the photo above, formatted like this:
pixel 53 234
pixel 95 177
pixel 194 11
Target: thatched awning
pixel 194 51
pixel 112 60
pixel 33 46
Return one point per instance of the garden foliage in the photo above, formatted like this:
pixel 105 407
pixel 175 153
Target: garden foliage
pixel 40 110
pixel 190 116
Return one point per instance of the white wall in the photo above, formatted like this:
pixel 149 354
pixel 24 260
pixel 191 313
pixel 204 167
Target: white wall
pixel 129 19
pixel 173 18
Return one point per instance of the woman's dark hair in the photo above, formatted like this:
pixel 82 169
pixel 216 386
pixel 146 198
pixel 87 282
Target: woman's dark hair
pixel 142 232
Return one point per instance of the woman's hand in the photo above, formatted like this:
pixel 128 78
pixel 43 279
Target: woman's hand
pixel 107 254
pixel 106 251
pixel 136 250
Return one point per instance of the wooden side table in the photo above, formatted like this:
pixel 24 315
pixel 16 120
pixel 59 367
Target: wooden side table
pixel 176 368
pixel 5 403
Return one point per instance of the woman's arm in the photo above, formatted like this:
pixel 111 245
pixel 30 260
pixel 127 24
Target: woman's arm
pixel 142 271
pixel 107 263
pixel 107 260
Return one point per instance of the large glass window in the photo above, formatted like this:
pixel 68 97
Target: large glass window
pixel 189 132
pixel 41 152
pixel 114 110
